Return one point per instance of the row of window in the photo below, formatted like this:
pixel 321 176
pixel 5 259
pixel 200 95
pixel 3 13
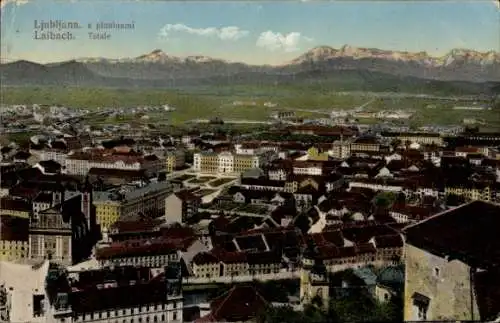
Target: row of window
pixel 154 318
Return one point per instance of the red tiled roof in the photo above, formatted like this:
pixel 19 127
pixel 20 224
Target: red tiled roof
pixel 413 211
pixel 467 149
pixel 333 237
pixel 133 248
pixel 203 258
pixel 388 241
pixel 120 173
pixel 107 156
pixel 14 228
pixel 15 204
pixel 177 232
pixel 241 303
pixel 235 257
pixel 265 257
pixel 136 226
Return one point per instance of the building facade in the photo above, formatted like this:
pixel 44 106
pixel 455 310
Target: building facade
pixel 79 163
pixel 64 233
pixel 128 295
pixel 449 276
pixel 174 159
pixel 130 201
pixel 225 162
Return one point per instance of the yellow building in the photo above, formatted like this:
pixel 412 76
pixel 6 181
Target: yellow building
pixel 174 160
pixel 421 138
pixel 107 212
pixel 470 192
pixel 15 215
pixel 292 185
pixel 243 163
pixel 225 162
pixel 129 201
pixel 206 265
pixel 313 153
pixel 15 207
pixel 14 237
pixel 206 163
pixel 234 265
pixel 365 144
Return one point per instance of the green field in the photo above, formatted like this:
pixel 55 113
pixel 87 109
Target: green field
pixel 209 102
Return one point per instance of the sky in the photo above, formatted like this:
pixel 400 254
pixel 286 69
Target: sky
pixel 254 32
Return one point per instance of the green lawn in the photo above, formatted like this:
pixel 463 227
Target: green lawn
pixel 201 180
pixel 184 177
pixel 220 181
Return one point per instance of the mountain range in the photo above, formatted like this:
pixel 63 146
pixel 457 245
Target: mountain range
pixel 347 68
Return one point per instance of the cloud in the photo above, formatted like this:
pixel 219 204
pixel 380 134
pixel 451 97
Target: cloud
pixel 275 41
pixel 224 33
pixel 3 3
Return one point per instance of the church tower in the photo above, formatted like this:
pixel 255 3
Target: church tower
pixel 314 283
pixel 58 194
pixel 87 203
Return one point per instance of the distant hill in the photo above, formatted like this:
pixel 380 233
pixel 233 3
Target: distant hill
pixel 460 71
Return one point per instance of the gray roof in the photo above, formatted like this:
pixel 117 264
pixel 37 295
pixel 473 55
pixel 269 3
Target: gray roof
pixel 367 275
pixel 253 173
pixel 130 192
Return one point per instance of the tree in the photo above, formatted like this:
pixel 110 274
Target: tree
pixel 317 301
pixel 384 200
pixel 281 315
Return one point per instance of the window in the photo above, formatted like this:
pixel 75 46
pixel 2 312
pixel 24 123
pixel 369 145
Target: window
pixel 422 313
pixel 436 272
pixel 174 317
pixel 420 306
pixel 38 309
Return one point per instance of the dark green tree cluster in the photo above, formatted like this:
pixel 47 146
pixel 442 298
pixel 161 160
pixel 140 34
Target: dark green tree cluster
pixel 351 308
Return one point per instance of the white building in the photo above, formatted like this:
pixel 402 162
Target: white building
pixel 80 164
pixel 23 286
pixel 308 168
pixel 228 163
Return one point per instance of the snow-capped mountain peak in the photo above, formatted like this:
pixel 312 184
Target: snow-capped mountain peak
pixel 324 53
pixel 156 56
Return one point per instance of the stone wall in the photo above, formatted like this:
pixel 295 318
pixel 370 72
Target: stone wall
pixel 445 283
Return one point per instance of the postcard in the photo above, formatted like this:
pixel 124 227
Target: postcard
pixel 249 161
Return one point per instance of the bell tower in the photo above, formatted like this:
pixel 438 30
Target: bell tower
pixel 314 282
pixel 86 204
